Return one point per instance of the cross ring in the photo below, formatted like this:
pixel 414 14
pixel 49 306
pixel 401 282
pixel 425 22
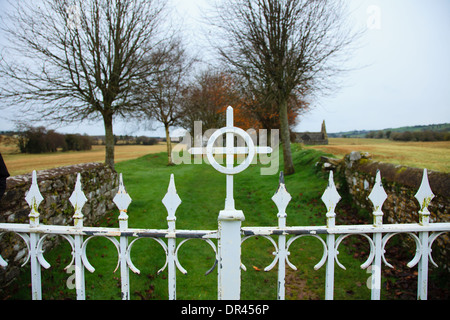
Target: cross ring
pixel 229 169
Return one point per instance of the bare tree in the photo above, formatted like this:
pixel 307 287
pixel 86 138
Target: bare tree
pixel 74 60
pixel 283 48
pixel 161 91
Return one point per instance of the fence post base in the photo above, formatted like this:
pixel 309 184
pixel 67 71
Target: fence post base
pixel 229 253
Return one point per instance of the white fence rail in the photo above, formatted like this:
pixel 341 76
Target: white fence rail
pixel 230 235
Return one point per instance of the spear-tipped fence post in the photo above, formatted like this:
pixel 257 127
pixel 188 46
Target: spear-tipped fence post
pixel 330 198
pixel 281 199
pixel 377 197
pixel 424 196
pixel 171 201
pixel 122 200
pixel 34 199
pixel 78 200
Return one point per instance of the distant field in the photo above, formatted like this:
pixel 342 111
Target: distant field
pixel 430 155
pixel 23 163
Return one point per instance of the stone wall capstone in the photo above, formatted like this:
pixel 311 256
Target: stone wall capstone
pixel 99 184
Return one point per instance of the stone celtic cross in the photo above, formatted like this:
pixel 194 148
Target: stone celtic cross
pixel 230 213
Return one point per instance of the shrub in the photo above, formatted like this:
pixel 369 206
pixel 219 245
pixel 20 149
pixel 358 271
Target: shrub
pixel 426 135
pixel 39 140
pixel 77 142
pixel 146 141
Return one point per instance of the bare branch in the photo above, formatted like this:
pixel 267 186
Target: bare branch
pixel 283 48
pixel 71 60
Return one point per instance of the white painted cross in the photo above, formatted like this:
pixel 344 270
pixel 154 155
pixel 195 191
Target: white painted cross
pixel 230 151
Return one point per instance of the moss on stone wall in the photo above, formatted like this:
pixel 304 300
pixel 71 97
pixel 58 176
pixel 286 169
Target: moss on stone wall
pixel 401 184
pixel 99 183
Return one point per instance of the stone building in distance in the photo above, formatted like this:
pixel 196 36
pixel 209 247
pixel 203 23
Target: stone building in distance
pixel 312 138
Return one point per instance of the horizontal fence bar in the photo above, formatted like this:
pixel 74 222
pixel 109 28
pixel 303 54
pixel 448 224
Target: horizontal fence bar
pixel 353 229
pixel 107 232
pixel 423 233
pixel 212 234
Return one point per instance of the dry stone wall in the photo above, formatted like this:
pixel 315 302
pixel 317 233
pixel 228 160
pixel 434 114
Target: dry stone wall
pixel 99 183
pixel 357 173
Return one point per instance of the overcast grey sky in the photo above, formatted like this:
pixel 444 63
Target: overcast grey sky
pixel 405 79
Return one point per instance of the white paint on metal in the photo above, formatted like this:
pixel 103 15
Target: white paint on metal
pixel 34 199
pixel 331 198
pixel 371 254
pixel 123 200
pixel 230 131
pixel 171 201
pixel 377 197
pixel 130 263
pixel 424 196
pixel 229 245
pixel 324 255
pixel 329 272
pixel 416 257
pixel 422 277
pixel 229 264
pixel 281 199
pixel 78 200
pixel 229 233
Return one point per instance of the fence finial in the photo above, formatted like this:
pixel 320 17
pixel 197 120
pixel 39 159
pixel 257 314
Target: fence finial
pixel 171 200
pixel 377 197
pixel 281 198
pixel 331 198
pixel 424 195
pixel 122 200
pixel 34 199
pixel 78 199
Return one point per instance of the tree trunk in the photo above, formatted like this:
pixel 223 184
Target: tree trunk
pixel 286 139
pixel 169 146
pixel 109 139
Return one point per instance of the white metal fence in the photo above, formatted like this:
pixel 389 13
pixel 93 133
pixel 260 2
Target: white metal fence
pixel 230 234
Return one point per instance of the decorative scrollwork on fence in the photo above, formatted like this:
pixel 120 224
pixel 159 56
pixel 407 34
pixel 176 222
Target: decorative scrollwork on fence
pixel 208 241
pixel 26 238
pixel 369 260
pixel 128 255
pixel 416 257
pixel 85 259
pixel 275 253
pixel 431 239
pixel 324 255
pixel 281 237
pixel 44 263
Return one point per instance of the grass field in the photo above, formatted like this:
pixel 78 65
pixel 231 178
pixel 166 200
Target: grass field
pixel 202 191
pixel 18 163
pixel 430 155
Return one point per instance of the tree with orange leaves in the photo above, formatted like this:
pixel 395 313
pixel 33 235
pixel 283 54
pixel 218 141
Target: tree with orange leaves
pixel 208 96
pixel 205 99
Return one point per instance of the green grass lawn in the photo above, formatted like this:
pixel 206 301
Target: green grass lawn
pixel 202 191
